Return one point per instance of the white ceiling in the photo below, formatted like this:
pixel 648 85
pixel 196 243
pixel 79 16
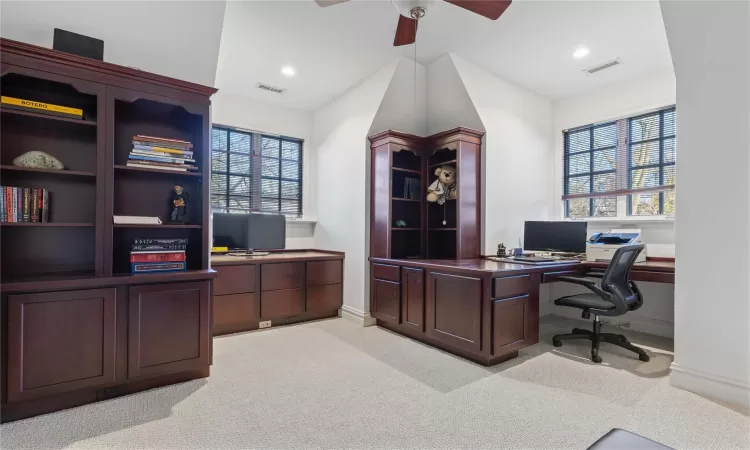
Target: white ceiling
pixel 531 45
pixel 164 37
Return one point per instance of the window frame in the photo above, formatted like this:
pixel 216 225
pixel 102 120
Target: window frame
pixel 255 175
pixel 623 169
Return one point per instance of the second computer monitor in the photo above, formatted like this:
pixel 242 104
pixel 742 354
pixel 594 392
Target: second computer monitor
pixel 568 237
pixel 249 231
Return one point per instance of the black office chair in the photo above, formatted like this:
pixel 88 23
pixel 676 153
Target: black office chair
pixel 614 295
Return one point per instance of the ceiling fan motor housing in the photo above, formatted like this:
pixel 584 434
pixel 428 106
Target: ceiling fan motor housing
pixel 413 9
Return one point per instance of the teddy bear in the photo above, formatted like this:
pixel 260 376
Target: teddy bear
pixel 444 187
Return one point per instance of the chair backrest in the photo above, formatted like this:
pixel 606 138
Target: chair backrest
pixel 615 279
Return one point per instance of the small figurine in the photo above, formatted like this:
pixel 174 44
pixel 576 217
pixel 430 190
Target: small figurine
pixel 179 203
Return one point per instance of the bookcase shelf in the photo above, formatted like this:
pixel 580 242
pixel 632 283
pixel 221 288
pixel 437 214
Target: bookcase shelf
pixel 399 199
pixel 47 224
pixel 17 112
pixel 157 225
pixel 399 169
pixel 450 162
pixel 74 173
pixel 157 171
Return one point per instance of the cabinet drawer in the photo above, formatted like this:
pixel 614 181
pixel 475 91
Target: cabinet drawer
pixel 320 273
pixel 510 286
pixel 385 272
pixel 281 276
pixel 235 312
pixel 60 342
pixel 234 279
pixel 324 298
pixel 385 303
pixel 281 303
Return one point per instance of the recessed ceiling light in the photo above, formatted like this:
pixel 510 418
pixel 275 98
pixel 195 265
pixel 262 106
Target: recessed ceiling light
pixel 581 52
pixel 288 71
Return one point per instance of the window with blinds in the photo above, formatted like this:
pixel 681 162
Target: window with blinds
pixel 623 167
pixel 254 172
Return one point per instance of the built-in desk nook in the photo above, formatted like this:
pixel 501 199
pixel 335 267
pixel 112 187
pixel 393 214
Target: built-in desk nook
pixel 283 287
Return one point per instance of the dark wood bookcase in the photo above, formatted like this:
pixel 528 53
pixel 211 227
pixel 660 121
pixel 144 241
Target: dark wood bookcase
pixel 70 269
pixel 399 156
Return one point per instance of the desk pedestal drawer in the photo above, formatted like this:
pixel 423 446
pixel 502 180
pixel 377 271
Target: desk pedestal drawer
pixel 279 276
pixel 324 298
pixel 236 312
pixel 235 279
pixel 510 286
pixel 281 304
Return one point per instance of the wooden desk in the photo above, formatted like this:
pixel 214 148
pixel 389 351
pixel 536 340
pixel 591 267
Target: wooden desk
pixel 283 287
pixel 482 310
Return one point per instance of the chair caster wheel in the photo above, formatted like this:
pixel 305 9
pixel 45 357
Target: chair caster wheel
pixel 556 343
pixel 644 358
pixel 596 358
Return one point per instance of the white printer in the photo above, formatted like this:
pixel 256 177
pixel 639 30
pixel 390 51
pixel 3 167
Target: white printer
pixel 602 246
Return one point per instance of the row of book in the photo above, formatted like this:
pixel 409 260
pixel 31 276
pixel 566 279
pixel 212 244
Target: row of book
pixel 50 109
pixel 20 204
pixel 158 255
pixel 162 154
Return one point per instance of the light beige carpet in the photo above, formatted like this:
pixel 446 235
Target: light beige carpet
pixel 335 385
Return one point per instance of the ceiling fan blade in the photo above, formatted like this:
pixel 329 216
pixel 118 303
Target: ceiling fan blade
pixel 491 9
pixel 324 3
pixel 406 31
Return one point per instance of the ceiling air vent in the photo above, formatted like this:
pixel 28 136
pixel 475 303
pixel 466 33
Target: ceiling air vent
pixel 269 88
pixel 601 67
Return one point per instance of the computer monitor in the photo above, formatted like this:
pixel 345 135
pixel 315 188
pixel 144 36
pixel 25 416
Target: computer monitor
pixel 249 231
pixel 567 237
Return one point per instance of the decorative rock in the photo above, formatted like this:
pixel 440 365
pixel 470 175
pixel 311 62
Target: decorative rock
pixel 38 160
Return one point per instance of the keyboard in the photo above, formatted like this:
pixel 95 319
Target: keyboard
pixel 534 259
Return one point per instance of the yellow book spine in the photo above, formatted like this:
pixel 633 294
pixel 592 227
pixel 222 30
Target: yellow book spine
pixel 168 150
pixel 40 105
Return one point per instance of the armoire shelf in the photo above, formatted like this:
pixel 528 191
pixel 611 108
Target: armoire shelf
pixel 55 172
pixel 46 116
pixel 396 155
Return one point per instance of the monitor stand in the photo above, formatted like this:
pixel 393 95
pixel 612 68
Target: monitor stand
pixel 247 253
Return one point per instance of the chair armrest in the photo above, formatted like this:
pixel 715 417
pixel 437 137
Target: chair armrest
pixel 583 281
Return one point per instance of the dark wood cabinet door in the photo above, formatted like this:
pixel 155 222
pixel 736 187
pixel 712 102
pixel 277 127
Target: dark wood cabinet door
pixel 320 273
pixel 278 276
pixel 235 279
pixel 454 310
pixel 510 324
pixel 412 298
pixel 324 298
pixel 235 312
pixel 385 303
pixel 169 328
pixel 60 342
pixel 281 303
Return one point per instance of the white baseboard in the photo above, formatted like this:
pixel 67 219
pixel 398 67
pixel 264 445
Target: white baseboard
pixel 714 386
pixel 356 316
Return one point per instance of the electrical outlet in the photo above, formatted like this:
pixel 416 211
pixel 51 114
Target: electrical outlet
pixel 265 324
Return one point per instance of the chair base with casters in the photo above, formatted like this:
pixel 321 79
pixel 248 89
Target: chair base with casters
pixel 612 294
pixel 596 337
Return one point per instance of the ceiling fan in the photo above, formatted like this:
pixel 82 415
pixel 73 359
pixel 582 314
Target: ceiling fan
pixel 411 11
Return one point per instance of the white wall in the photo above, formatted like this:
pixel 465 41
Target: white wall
pixel 710 46
pixel 401 109
pixel 518 153
pixel 178 39
pixel 340 132
pixel 448 103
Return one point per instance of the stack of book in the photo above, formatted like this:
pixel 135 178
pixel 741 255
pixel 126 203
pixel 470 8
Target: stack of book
pixel 158 255
pixel 24 204
pixel 162 154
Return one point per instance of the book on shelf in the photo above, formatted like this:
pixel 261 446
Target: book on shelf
pixel 24 204
pixel 148 166
pixel 20 104
pixel 137 154
pixel 138 257
pixel 159 241
pixel 157 267
pixel 164 164
pixel 158 247
pixel 161 140
pixel 136 220
pixel 169 150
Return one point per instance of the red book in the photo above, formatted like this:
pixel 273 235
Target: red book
pixel 9 203
pixel 157 257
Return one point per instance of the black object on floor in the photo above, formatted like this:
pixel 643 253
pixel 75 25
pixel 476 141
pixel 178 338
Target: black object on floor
pixel 618 439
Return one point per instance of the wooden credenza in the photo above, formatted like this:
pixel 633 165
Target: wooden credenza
pixel 283 287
